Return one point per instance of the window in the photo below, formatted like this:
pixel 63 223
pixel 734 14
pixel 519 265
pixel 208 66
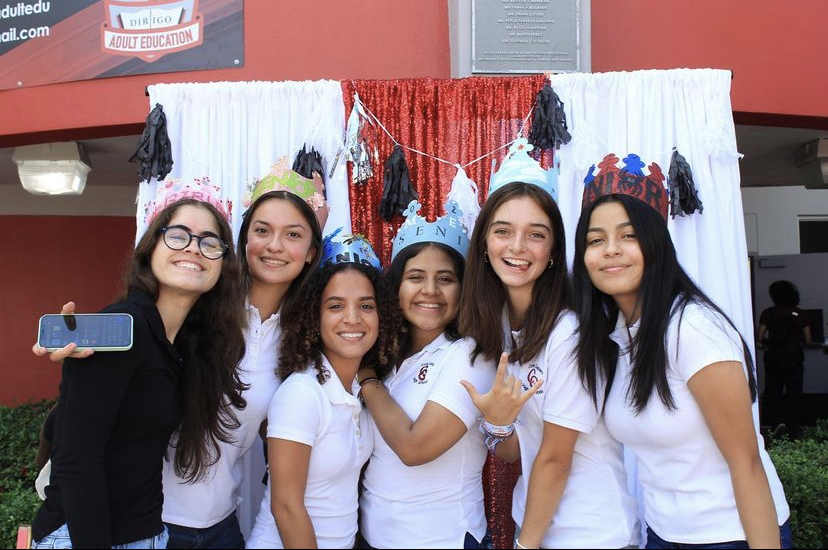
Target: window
pixel 813 234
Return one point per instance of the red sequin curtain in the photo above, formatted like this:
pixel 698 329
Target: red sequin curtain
pixel 457 120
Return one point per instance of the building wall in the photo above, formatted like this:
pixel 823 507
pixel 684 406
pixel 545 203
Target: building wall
pixel 772 48
pixel 47 261
pixel 777 211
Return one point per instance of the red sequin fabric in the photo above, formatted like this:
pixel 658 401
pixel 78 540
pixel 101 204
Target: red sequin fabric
pixel 457 120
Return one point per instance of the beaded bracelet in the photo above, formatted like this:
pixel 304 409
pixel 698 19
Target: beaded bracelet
pixel 496 431
pixel 495 434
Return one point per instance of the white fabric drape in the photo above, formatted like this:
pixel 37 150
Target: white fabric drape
pixel 232 132
pixel 649 113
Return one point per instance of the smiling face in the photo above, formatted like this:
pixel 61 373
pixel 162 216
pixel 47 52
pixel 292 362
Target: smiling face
pixel 519 243
pixel 613 256
pixel 279 243
pixel 349 319
pixel 187 272
pixel 429 294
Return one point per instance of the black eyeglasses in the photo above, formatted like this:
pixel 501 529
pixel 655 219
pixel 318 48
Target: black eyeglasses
pixel 178 237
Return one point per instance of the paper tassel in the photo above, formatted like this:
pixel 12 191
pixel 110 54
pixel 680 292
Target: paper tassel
pixel 360 135
pixel 397 190
pixel 684 198
pixel 549 128
pixel 464 193
pixel 309 162
pixel 154 154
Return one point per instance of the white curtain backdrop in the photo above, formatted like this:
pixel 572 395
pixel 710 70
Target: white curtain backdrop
pixel 233 132
pixel 649 113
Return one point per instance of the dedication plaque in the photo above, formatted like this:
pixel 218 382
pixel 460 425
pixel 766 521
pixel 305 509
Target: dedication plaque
pixel 525 36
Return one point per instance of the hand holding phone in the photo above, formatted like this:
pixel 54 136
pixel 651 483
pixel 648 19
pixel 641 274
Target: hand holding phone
pixel 70 350
pixel 93 331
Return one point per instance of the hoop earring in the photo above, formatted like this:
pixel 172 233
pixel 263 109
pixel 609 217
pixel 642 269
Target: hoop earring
pixel 551 262
pixel 485 257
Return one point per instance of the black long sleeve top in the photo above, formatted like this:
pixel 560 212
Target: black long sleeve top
pixel 113 422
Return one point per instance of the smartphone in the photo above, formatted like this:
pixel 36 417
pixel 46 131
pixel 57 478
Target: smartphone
pixel 98 331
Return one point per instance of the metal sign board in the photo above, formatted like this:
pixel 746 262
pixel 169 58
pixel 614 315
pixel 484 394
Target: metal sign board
pixel 525 36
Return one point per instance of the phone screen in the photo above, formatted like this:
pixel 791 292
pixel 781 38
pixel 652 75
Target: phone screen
pixel 99 331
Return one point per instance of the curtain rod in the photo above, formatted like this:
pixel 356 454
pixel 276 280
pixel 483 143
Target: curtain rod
pixel 146 89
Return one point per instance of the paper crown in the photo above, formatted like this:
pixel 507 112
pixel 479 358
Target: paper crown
pixel 628 180
pixel 518 166
pixel 448 230
pixel 339 248
pixel 172 190
pixel 282 178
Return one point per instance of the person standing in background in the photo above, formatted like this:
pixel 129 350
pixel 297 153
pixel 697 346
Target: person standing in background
pixel 783 330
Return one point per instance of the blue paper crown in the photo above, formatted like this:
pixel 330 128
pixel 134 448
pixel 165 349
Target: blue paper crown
pixel 518 166
pixel 339 248
pixel 448 230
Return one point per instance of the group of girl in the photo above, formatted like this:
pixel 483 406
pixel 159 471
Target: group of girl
pixel 420 372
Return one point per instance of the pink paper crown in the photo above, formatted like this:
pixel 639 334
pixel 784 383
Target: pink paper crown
pixel 172 190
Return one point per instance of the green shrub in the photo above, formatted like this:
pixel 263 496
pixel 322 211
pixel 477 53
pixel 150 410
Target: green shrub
pixel 803 468
pixel 19 433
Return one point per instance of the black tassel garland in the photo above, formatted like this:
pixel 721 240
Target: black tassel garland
pixel 308 162
pixel 684 198
pixel 397 189
pixel 154 154
pixel 549 128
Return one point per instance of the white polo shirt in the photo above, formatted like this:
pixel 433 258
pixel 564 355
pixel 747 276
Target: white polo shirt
pixel 206 503
pixel 596 509
pixel 432 505
pixel 333 423
pixel 688 493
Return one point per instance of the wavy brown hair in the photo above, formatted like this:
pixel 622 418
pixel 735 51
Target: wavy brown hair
pixel 316 239
pixel 211 343
pixel 483 295
pixel 301 343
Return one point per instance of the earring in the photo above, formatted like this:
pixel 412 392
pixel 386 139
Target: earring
pixel 485 257
pixel 551 262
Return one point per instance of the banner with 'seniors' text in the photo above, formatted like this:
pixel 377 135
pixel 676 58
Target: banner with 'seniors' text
pixel 48 41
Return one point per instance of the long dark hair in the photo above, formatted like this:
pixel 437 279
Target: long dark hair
pixel 211 343
pixel 395 274
pixel 316 240
pixel 301 342
pixel 483 295
pixel 665 291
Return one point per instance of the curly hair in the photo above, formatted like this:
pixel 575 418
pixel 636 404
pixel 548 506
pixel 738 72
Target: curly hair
pixel 301 343
pixel 211 343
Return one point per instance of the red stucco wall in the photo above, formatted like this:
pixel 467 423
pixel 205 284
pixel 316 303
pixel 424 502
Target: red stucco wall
pixel 774 49
pixel 48 260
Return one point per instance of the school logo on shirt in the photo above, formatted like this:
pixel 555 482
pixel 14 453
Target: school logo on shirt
pixel 534 373
pixel 422 374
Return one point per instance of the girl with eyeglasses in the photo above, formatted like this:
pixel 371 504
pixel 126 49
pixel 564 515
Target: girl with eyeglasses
pixel 117 410
pixel 279 245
